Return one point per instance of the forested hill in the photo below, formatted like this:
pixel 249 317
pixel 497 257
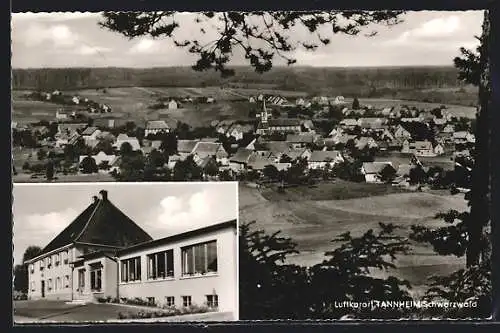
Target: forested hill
pixel 310 79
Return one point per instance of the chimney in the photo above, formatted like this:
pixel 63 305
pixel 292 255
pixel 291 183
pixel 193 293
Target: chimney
pixel 104 195
pixel 95 199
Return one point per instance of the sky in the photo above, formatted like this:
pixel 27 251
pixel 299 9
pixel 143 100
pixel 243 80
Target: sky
pixel 42 211
pixel 425 38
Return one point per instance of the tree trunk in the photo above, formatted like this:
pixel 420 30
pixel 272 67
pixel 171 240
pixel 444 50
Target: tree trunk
pixel 480 191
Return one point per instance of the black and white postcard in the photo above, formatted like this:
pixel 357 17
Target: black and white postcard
pixel 357 139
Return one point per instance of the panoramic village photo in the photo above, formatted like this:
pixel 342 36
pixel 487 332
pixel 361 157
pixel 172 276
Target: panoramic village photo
pixel 125 252
pixel 355 137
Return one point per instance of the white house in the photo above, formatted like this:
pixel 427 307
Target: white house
pixel 339 100
pixel 61 115
pixel 172 105
pixel 122 138
pixel 103 253
pixel 372 171
pixel 321 158
pixel 100 157
pixel 91 135
pixel 155 127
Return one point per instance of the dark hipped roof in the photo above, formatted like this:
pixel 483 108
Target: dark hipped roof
pixel 177 237
pixel 100 223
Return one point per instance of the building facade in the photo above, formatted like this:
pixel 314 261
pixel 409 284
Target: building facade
pixel 197 267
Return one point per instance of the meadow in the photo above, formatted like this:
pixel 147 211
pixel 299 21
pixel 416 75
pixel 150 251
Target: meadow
pixel 314 217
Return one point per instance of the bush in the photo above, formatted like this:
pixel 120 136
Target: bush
pixel 166 312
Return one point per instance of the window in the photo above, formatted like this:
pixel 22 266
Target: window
pixel 57 259
pixel 131 269
pixel 151 301
pixel 42 264
pixel 32 285
pixel 96 278
pixel 161 265
pixel 170 300
pixel 66 281
pixel 66 257
pixel 32 268
pixel 186 301
pixel 49 262
pixel 49 284
pixel 212 301
pixel 199 259
pixel 58 283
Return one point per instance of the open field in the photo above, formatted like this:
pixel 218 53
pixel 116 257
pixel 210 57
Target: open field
pixel 457 110
pixel 32 111
pixel 132 103
pixel 334 190
pixel 60 178
pixel 313 220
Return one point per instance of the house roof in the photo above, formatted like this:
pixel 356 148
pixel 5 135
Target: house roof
pixel 178 237
pixel 157 124
pixel 349 122
pixel 100 223
pixel 186 146
pixel 396 159
pixel 282 122
pixel 422 144
pixel 273 146
pixel 324 155
pixel 89 130
pixel 242 155
pixel 203 149
pixel 371 122
pixel 296 153
pixel 301 138
pixel 404 170
pixel 375 167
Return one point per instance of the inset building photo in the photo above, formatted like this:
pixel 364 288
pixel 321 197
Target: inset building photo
pixel 134 251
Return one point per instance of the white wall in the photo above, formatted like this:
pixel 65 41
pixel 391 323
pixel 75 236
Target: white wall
pixel 53 272
pixel 223 283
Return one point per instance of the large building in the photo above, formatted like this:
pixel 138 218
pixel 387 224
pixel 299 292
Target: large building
pixel 104 254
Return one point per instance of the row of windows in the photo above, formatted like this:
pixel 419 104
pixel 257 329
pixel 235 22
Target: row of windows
pixel 56 259
pixel 196 259
pixel 212 301
pixel 57 284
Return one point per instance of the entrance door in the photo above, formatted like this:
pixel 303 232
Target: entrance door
pixel 81 281
pixel 43 288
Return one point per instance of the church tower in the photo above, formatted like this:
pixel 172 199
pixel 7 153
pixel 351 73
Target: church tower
pixel 264 115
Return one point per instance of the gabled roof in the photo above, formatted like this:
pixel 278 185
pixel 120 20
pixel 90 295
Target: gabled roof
pixel 203 149
pixel 375 167
pixel 324 155
pixel 186 146
pixel 242 156
pixel 100 223
pixel 157 124
pixel 89 130
pixel 282 122
pixel 304 138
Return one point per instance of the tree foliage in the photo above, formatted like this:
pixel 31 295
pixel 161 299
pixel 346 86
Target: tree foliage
pixel 275 289
pixel 21 270
pixel 261 37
